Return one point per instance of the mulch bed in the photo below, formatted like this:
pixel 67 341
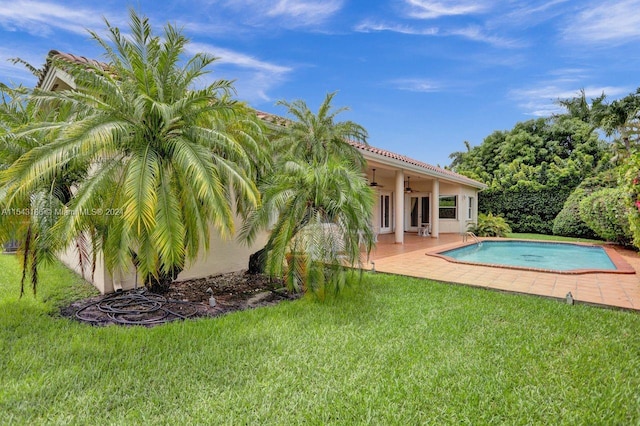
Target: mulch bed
pixel 185 299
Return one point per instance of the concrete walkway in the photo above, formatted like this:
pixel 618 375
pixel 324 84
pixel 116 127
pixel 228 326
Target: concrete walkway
pixel 615 290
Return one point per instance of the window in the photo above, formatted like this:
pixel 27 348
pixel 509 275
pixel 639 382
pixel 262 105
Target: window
pixel 470 210
pixel 448 207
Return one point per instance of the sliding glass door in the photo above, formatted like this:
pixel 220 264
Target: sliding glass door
pixel 417 212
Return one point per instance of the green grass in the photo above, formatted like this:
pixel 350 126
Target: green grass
pixel 543 237
pixel 393 351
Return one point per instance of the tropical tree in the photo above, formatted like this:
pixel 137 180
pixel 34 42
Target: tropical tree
pixel 457 156
pixel 317 137
pixel 168 161
pixel 588 112
pixel 622 120
pixel 318 205
pixel 28 218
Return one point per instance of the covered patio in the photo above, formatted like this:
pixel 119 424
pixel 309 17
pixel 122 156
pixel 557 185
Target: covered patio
pixel 410 259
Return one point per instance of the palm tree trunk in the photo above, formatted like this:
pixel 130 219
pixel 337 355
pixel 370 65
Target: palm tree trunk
pixel 162 282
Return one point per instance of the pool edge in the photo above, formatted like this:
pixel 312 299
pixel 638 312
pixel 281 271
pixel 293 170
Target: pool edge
pixel 622 266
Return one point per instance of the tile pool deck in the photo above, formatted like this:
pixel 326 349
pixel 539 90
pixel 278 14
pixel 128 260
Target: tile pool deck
pixel 615 290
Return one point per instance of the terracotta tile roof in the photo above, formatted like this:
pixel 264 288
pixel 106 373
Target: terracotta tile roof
pixel 68 57
pixel 272 118
pixel 427 167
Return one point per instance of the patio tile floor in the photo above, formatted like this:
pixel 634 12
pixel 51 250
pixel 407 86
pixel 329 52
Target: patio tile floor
pixel 615 290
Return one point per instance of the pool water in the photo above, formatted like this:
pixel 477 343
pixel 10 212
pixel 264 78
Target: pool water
pixel 538 255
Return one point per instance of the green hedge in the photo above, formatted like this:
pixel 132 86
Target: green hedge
pixel 607 212
pixel 526 210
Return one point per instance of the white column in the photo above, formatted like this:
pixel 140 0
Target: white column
pixel 435 208
pixel 399 206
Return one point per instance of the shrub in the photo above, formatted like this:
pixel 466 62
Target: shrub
pixel 607 214
pixel 630 174
pixel 568 222
pixel 490 226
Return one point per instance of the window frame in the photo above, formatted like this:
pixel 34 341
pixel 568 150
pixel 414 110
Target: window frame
pixel 453 208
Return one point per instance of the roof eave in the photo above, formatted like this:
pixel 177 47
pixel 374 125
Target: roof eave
pixel 397 163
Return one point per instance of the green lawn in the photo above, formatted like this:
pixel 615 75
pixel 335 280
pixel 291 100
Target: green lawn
pixel 395 351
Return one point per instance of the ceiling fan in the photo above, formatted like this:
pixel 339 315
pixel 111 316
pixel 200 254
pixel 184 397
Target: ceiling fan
pixel 408 189
pixel 373 182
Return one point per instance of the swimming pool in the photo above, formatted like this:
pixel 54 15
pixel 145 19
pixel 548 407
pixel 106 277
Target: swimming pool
pixel 535 255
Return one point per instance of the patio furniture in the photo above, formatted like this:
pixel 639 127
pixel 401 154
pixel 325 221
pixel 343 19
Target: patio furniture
pixel 424 230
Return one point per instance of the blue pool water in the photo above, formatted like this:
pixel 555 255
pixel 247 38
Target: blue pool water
pixel 539 255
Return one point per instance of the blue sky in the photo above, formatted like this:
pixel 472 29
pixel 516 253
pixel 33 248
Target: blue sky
pixel 421 76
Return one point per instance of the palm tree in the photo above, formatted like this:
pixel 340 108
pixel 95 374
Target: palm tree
pixel 316 137
pixel 28 218
pixel 168 160
pixel 318 203
pixel 457 157
pixel 580 108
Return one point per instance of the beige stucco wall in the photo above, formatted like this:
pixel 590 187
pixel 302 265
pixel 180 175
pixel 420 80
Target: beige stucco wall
pixel 102 279
pixel 223 256
pixel 463 193
pixel 460 224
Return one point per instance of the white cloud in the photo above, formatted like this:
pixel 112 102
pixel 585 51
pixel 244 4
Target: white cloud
pixel 525 14
pixel 416 85
pixel 606 22
pixel 541 100
pixel 227 56
pixel 371 26
pixel 41 18
pixel 309 12
pixel 427 9
pixel 473 33
pixel 254 77
pixel 476 33
pixel 288 13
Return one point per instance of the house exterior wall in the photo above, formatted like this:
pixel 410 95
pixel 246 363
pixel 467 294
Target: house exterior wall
pixel 102 279
pixel 464 194
pixel 462 221
pixel 70 258
pixel 224 256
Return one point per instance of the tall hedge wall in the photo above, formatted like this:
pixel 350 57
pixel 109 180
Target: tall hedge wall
pixel 526 210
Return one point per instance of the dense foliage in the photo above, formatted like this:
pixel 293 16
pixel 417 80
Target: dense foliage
pixel 319 197
pixel 631 186
pixel 606 212
pixel 490 226
pixel 568 222
pixel 555 152
pixel 169 163
pixel 525 209
pixel 532 168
